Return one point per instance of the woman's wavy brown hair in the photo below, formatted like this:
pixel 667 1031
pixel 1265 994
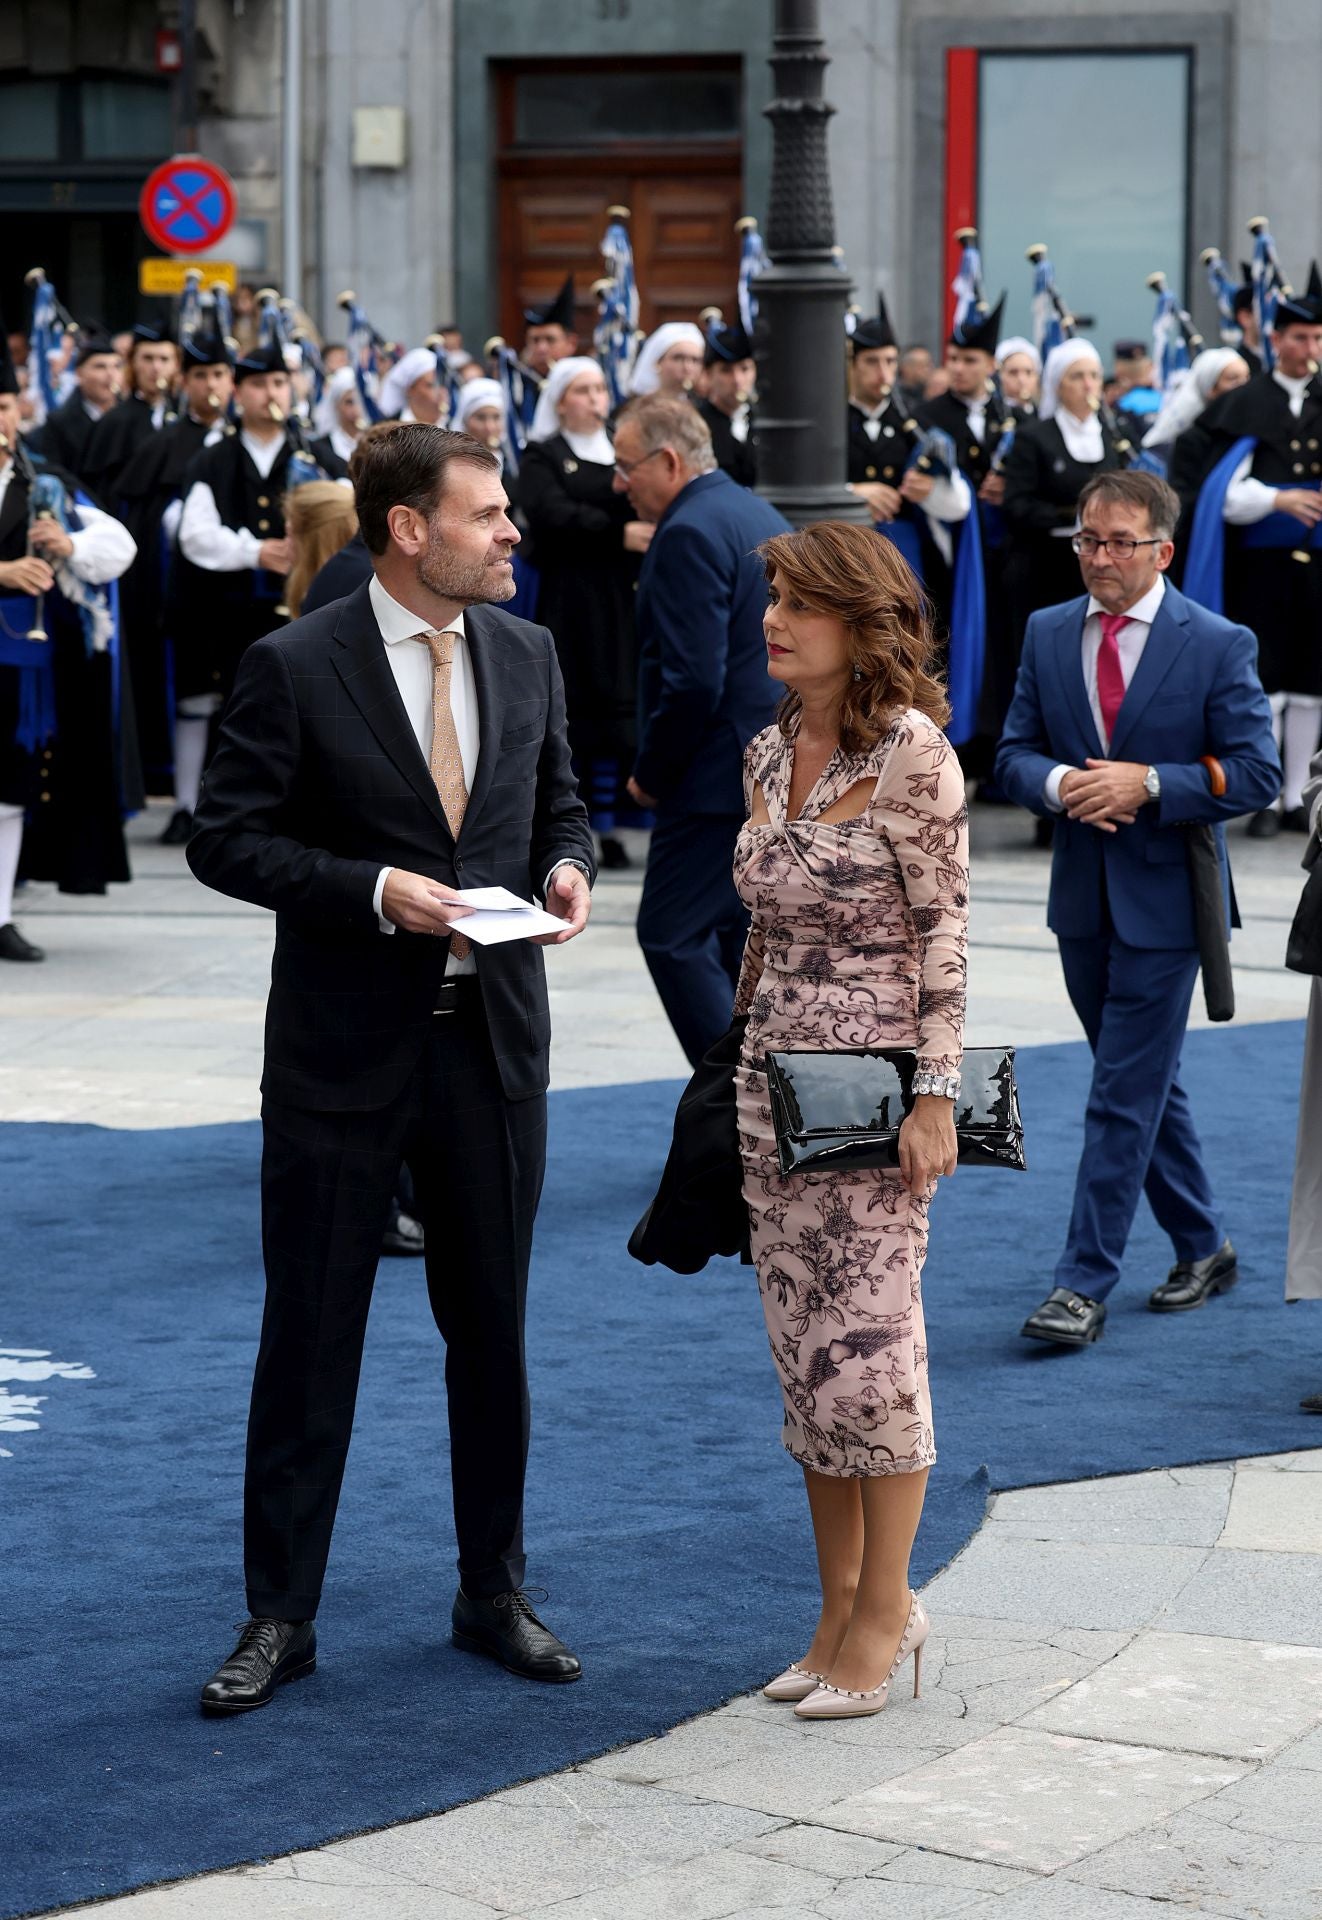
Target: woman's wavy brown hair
pixel 861 578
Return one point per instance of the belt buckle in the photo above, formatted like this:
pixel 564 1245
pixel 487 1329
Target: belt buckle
pixel 447 999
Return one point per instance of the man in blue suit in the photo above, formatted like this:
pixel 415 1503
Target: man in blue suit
pixel 703 692
pixel 1136 712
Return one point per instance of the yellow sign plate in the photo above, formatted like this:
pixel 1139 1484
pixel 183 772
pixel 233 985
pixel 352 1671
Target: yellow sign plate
pixel 167 276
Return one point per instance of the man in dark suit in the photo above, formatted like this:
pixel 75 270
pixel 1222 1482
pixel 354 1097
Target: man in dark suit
pixel 1136 713
pixel 704 691
pixel 375 757
pixel 97 372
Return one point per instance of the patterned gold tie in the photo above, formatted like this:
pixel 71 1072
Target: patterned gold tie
pixel 447 765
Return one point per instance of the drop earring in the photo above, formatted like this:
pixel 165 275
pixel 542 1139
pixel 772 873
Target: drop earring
pixel 858 673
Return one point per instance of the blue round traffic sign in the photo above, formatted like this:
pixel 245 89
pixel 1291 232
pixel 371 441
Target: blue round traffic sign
pixel 187 204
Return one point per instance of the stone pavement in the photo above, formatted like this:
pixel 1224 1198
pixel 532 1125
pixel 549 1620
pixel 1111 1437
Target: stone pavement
pixel 1122 1706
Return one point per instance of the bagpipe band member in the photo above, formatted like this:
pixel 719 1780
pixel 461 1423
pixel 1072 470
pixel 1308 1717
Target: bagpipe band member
pixel 412 389
pixel 153 373
pixel 59 759
pixel 971 410
pixel 480 412
pixel 98 374
pixel 226 581
pixel 727 404
pixel 151 497
pixel 1019 372
pixel 1255 547
pixel 669 361
pixel 342 403
pixel 549 336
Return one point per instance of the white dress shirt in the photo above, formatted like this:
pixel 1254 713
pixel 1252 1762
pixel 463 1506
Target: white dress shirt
pixel 1248 500
pixel 103 547
pixel 410 661
pixel 1130 642
pixel 203 536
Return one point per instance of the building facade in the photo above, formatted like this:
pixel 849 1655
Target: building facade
pixel 456 157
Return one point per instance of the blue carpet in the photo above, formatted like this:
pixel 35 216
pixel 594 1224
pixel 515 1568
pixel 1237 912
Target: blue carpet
pixel 662 1514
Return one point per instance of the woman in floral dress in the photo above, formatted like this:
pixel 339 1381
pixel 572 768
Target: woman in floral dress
pixel 854 866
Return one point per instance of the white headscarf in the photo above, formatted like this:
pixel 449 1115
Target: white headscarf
pixel 546 420
pixel 645 378
pixel 474 394
pixel 1058 363
pixel 1017 344
pixel 340 382
pixel 412 366
pixel 1189 394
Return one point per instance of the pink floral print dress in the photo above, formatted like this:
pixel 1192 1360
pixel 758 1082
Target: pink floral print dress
pixel 858 939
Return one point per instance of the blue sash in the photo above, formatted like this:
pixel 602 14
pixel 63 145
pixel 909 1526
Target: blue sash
pixel 35 661
pixel 1283 530
pixel 1205 564
pixel 968 631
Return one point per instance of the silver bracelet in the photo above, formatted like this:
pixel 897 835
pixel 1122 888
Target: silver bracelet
pixel 945 1085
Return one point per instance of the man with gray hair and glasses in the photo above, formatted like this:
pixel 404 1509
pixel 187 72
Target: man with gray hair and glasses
pixel 1136 714
pixel 704 692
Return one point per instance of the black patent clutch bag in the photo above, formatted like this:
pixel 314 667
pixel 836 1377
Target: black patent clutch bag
pixel 841 1112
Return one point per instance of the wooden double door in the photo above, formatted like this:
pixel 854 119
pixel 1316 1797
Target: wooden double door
pixel 684 200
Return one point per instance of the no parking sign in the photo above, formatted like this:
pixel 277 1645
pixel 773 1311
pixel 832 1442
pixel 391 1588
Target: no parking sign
pixel 187 204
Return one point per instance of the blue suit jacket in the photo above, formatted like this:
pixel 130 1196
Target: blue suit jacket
pixel 1195 691
pixel 703 685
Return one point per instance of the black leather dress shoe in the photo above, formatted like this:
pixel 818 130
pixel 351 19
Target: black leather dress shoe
pixel 505 1628
pixel 1191 1283
pixel 180 829
pixel 1265 825
pixel 269 1653
pixel 614 854
pixel 1311 1403
pixel 14 947
pixel 1066 1319
pixel 1296 820
pixel 403 1234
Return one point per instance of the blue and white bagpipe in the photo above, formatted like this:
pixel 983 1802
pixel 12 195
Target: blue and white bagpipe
pixel 1268 283
pixel 1224 288
pixel 363 344
pixel 933 453
pixel 1175 344
pixel 24 642
pixel 276 328
pixel 615 337
pixel 447 375
pixel 1204 567
pixel 1052 320
pixel 50 322
pixel 752 261
pixel 505 370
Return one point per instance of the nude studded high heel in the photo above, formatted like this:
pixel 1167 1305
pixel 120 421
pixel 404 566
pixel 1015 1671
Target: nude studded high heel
pixel 842 1703
pixel 796 1683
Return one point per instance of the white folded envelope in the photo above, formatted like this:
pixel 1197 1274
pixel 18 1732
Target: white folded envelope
pixel 500 915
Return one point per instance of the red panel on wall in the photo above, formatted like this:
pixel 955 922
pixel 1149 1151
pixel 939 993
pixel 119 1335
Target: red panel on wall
pixel 961 159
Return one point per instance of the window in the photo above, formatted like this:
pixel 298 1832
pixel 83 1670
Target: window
pixel 29 120
pixel 125 120
pixel 1089 153
pixel 598 106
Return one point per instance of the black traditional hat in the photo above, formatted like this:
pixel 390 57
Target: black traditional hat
pixel 91 342
pixel 980 328
pixel 205 350
pixel 152 333
pixel 876 332
pixel 556 313
pixel 267 359
pixel 1300 309
pixel 1243 297
pixel 725 345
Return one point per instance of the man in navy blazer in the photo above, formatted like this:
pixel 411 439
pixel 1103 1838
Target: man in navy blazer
pixel 1136 713
pixel 703 693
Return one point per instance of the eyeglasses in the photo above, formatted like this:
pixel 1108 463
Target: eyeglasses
pixel 1121 546
pixel 629 467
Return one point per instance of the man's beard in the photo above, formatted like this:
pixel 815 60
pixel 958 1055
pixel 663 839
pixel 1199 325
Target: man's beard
pixel 465 583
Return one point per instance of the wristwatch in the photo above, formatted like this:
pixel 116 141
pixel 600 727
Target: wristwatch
pixel 1152 782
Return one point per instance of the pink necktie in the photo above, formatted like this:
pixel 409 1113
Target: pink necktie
pixel 1110 679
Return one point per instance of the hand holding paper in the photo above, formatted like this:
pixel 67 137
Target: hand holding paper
pixel 497 915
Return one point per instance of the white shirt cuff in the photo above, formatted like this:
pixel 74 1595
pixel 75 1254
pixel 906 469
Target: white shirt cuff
pixel 1051 788
pixel 1247 500
pixel 386 926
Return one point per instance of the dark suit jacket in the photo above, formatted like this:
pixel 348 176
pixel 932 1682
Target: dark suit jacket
pixel 64 437
pixel 703 685
pixel 1195 691
pixel 317 783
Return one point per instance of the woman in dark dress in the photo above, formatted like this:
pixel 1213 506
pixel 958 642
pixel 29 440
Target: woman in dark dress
pixel 588 547
pixel 1051 461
